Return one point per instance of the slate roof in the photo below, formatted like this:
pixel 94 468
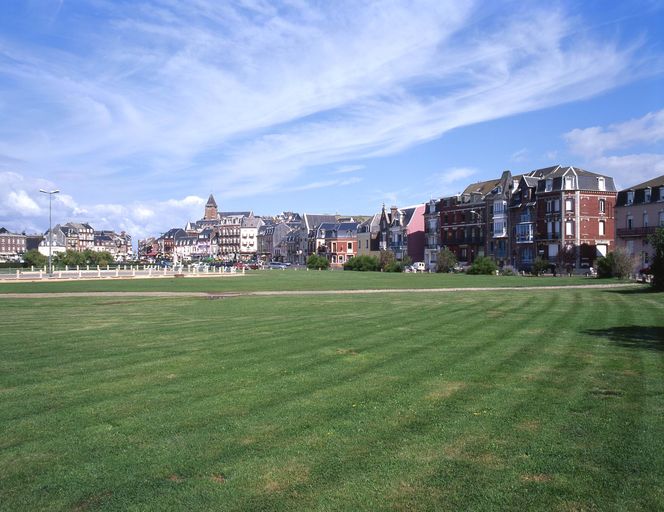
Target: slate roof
pixel 481 187
pixel 311 221
pixel 211 202
pixel 656 186
pixel 655 182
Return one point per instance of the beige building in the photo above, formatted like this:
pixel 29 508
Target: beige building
pixel 639 212
pixel 11 244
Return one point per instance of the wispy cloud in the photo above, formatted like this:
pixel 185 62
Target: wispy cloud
pixel 252 98
pixel 520 156
pixel 328 183
pixel 449 181
pixel 347 169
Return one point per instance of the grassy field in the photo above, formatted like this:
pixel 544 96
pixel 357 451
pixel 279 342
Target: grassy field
pixel 295 280
pixel 496 400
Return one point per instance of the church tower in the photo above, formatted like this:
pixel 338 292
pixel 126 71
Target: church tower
pixel 211 212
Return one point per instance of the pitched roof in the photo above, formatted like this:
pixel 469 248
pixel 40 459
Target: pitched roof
pixel 311 220
pixel 211 202
pixel 655 182
pixel 481 187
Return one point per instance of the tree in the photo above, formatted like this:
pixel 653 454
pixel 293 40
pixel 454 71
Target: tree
pixel 446 261
pixel 657 267
pixel 483 265
pixel 386 259
pixel 33 258
pixel 389 262
pixel 70 258
pixel 316 262
pixel 618 264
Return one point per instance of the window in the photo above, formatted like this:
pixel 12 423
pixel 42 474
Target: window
pixel 569 182
pixel 630 247
pixel 350 247
pixel 549 185
pixel 629 221
pixel 645 219
pixel 602 228
pixel 647 194
pixel 630 197
pixel 556 205
pixel 601 184
pixel 569 205
pixel 569 228
pixel 661 219
pixel 602 206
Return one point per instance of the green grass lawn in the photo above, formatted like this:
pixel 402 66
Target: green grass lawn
pixel 500 400
pixel 295 280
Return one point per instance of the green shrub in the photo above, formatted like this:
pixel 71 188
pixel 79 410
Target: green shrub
pixel 605 266
pixel 363 263
pixel 482 265
pixel 539 266
pixel 508 270
pixel 446 261
pixel 316 262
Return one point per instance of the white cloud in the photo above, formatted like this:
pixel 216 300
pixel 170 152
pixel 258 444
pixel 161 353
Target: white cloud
pixel 456 175
pixel 328 183
pixel 23 208
pixel 21 203
pixel 628 170
pixel 596 140
pixel 596 145
pixel 252 98
pixel 348 168
pixel 520 156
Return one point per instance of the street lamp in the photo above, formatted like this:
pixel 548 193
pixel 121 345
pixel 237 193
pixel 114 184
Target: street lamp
pixel 50 229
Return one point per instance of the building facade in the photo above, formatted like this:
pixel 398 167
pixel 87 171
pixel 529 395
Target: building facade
pixel 12 245
pixel 639 212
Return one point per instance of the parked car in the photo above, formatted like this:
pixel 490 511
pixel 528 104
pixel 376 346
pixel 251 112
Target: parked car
pixel 277 265
pixel 419 266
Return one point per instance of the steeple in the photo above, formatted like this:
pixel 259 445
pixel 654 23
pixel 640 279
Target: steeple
pixel 211 212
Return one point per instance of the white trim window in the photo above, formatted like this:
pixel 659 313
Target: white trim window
pixel 569 228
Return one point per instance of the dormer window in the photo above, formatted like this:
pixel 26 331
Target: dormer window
pixel 601 184
pixel 647 194
pixel 630 197
pixel 548 185
pixel 569 182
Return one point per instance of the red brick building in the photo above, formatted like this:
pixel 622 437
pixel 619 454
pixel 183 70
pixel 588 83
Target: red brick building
pixel 574 216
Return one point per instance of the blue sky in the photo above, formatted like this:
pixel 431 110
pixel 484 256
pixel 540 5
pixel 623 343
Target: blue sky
pixel 137 110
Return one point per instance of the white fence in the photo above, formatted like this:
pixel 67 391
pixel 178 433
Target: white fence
pixel 119 271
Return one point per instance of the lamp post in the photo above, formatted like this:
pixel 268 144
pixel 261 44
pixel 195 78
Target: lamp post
pixel 50 229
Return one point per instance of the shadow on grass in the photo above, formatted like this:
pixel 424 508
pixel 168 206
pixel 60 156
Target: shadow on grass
pixel 633 336
pixel 640 290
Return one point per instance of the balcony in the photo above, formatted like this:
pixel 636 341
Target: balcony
pixel 470 240
pixel 635 232
pixel 524 239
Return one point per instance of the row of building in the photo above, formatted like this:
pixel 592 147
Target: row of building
pixel 565 215
pixel 73 236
